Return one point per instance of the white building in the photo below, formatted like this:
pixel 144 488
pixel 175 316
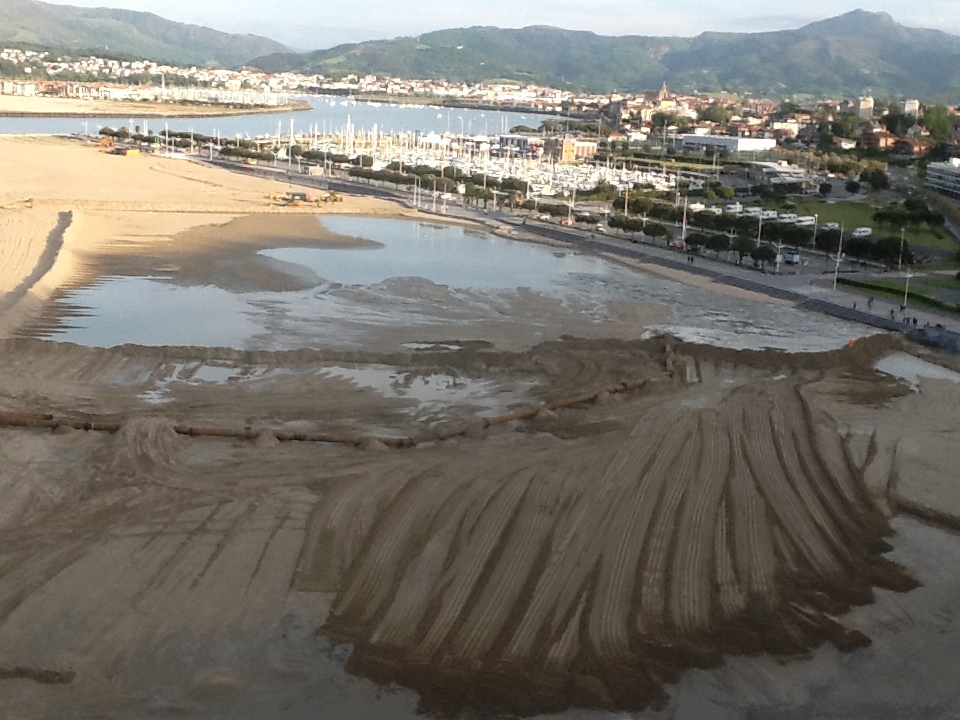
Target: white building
pixel 864 107
pixel 911 107
pixel 726 142
pixel 944 177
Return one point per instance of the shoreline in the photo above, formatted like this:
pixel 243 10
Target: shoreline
pixel 118 108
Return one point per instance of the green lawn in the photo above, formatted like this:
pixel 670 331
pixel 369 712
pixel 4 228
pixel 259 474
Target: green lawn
pixel 945 265
pixel 893 290
pixel 854 214
pixel 939 281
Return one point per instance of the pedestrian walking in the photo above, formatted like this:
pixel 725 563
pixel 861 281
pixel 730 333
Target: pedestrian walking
pixel 870 303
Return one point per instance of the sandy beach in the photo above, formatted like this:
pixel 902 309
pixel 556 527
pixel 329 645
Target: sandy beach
pixel 643 526
pixel 35 106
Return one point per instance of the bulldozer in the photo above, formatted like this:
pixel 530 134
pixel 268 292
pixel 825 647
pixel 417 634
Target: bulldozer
pixel 292 199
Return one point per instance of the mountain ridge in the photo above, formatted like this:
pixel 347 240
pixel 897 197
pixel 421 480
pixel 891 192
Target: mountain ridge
pixel 140 33
pixel 856 53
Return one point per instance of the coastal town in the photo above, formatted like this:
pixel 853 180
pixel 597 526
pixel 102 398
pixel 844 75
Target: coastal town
pixel 692 121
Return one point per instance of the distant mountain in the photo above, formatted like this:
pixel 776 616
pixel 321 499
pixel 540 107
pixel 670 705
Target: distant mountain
pixel 853 54
pixel 125 31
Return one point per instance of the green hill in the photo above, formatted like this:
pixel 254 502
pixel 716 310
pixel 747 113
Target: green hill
pixel 856 53
pixel 28 22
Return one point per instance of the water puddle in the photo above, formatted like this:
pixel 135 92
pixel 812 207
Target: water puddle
pixel 433 391
pixel 910 369
pixel 199 373
pixel 417 275
pixel 429 393
pixel 431 346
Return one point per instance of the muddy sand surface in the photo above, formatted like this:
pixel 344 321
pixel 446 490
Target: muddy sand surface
pixel 640 526
pixel 588 556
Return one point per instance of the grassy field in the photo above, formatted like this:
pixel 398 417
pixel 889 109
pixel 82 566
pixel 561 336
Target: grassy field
pixel 945 265
pixel 893 290
pixel 854 214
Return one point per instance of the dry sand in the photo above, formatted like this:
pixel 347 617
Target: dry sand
pixel 735 504
pixel 64 204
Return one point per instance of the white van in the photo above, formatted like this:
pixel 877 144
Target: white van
pixel 806 221
pixel 768 214
pixel 787 218
pixel 733 208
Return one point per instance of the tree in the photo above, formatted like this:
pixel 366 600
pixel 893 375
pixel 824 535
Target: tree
pixel 726 192
pixel 936 120
pixel 715 113
pixel 828 240
pixel 844 124
pixel 825 189
pixel 743 245
pixel 719 243
pixel 876 177
pixel 852 187
pixel 896 123
pixel 763 254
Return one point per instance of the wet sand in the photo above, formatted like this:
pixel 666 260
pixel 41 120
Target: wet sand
pixel 732 512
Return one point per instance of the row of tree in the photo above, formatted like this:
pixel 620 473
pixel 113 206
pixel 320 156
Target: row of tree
pixel 912 212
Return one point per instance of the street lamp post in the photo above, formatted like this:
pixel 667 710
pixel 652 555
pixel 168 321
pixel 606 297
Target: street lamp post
pixel 906 289
pixel 836 270
pixel 900 257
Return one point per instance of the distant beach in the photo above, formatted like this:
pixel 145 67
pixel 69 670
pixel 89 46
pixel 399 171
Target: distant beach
pixel 19 106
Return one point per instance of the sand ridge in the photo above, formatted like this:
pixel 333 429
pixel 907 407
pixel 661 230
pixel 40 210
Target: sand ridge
pixel 586 557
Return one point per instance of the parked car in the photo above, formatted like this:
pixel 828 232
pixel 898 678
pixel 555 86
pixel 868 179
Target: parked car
pixel 862 232
pixel 787 218
pixel 733 208
pixel 831 226
pixel 806 221
pixel 768 214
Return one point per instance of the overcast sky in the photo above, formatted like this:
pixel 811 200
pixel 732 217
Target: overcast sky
pixel 308 24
